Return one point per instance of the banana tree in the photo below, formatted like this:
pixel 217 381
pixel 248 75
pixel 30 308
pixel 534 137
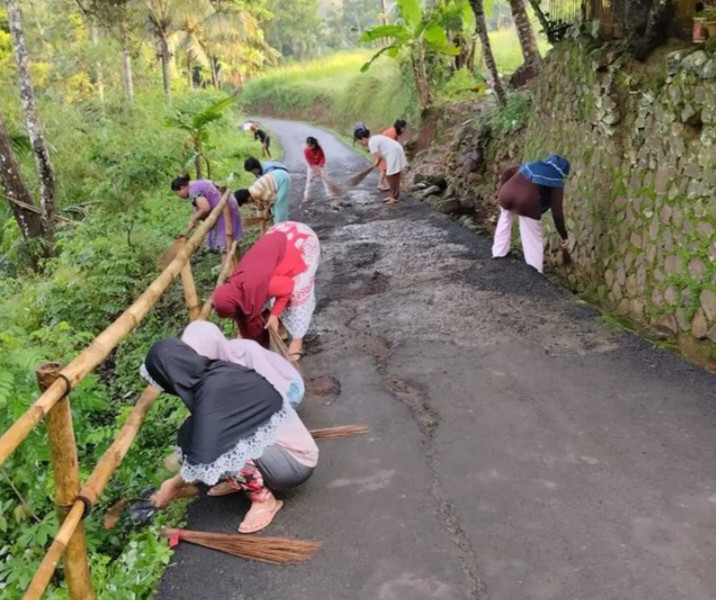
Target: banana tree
pixel 197 126
pixel 420 33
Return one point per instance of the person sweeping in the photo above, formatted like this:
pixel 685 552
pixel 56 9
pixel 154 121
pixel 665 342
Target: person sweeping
pixel 528 191
pixel 270 193
pixel 252 165
pixel 316 161
pixel 261 136
pixel 393 133
pixel 384 149
pixel 236 419
pixel 278 272
pixel 204 197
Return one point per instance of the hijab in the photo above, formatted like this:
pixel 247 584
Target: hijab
pixel 234 411
pixel 549 173
pixel 207 340
pixel 244 296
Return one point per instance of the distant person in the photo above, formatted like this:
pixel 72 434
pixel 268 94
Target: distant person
pixel 383 148
pixel 529 191
pixel 252 165
pixel 270 194
pixel 393 133
pixel 316 160
pixel 204 197
pixel 261 136
pixel 279 270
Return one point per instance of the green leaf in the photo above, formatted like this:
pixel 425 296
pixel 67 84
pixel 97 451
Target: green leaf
pixel 385 31
pixel 392 51
pixel 411 11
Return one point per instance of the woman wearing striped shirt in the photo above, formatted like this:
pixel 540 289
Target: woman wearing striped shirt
pixel 270 192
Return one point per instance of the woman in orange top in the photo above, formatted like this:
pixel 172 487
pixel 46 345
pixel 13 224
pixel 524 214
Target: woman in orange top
pixel 393 133
pixel 278 272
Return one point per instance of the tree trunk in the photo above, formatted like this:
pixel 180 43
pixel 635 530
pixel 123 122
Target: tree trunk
pixel 98 73
pixel 190 78
pixel 127 77
pixel 18 195
pixel 487 56
pixel 542 18
pixel 165 55
pixel 214 73
pixel 525 33
pixel 420 74
pixel 32 121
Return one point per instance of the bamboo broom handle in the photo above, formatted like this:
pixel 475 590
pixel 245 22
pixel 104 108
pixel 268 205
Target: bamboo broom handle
pixel 106 341
pixel 47 567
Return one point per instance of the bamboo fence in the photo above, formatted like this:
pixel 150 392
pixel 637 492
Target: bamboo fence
pixel 74 502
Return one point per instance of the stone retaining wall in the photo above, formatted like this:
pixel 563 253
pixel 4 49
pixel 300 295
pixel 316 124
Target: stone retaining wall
pixel 641 201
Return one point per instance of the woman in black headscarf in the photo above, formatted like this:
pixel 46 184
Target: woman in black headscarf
pixel 235 417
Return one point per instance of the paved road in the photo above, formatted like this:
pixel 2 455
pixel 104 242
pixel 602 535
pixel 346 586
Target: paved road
pixel 521 449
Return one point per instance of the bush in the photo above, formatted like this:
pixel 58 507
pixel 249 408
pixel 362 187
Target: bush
pixel 121 162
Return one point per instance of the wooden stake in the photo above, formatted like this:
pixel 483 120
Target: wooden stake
pixel 228 226
pixel 66 475
pixel 106 341
pixel 190 296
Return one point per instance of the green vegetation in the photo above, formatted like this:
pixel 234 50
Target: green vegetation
pixel 334 92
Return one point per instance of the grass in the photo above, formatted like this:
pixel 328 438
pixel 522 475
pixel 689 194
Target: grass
pixel 332 91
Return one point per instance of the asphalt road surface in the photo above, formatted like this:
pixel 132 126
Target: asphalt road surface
pixel 520 447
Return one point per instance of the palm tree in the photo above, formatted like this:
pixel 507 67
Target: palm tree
pixel 161 15
pixel 525 33
pixel 487 55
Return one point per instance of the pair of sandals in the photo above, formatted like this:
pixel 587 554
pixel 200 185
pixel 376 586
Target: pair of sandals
pixel 225 488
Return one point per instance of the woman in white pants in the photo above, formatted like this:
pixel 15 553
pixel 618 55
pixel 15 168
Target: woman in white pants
pixel 529 191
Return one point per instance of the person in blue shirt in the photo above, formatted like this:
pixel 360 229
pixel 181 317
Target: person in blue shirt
pixel 252 165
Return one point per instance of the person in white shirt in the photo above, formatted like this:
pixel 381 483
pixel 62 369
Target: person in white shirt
pixel 385 149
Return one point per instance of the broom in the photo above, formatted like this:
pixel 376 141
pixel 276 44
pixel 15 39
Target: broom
pixel 172 251
pixel 279 346
pixel 340 431
pixel 272 550
pixel 356 179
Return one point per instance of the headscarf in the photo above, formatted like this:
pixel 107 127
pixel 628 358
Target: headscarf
pixel 549 173
pixel 244 296
pixel 206 339
pixel 235 412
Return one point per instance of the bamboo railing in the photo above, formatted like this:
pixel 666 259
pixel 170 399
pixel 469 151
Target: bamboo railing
pixel 73 500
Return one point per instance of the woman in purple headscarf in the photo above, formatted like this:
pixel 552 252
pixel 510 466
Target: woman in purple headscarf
pixel 204 197
pixel 529 191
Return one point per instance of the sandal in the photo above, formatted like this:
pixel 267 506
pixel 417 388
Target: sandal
pixel 223 488
pixel 296 356
pixel 270 512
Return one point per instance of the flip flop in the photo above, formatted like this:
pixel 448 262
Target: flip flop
pixel 270 512
pixel 223 488
pixel 296 356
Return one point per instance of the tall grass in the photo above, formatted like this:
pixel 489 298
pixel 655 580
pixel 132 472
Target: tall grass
pixel 334 92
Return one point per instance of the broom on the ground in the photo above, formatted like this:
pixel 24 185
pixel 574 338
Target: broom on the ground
pixel 333 187
pixel 357 178
pixel 272 550
pixel 340 431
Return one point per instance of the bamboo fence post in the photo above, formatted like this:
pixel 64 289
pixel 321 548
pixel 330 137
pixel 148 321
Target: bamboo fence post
pixel 106 341
pixel 226 270
pixel 190 296
pixel 66 475
pixel 228 226
pixel 47 567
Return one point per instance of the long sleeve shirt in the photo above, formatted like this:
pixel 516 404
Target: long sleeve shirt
pixel 314 157
pixel 281 283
